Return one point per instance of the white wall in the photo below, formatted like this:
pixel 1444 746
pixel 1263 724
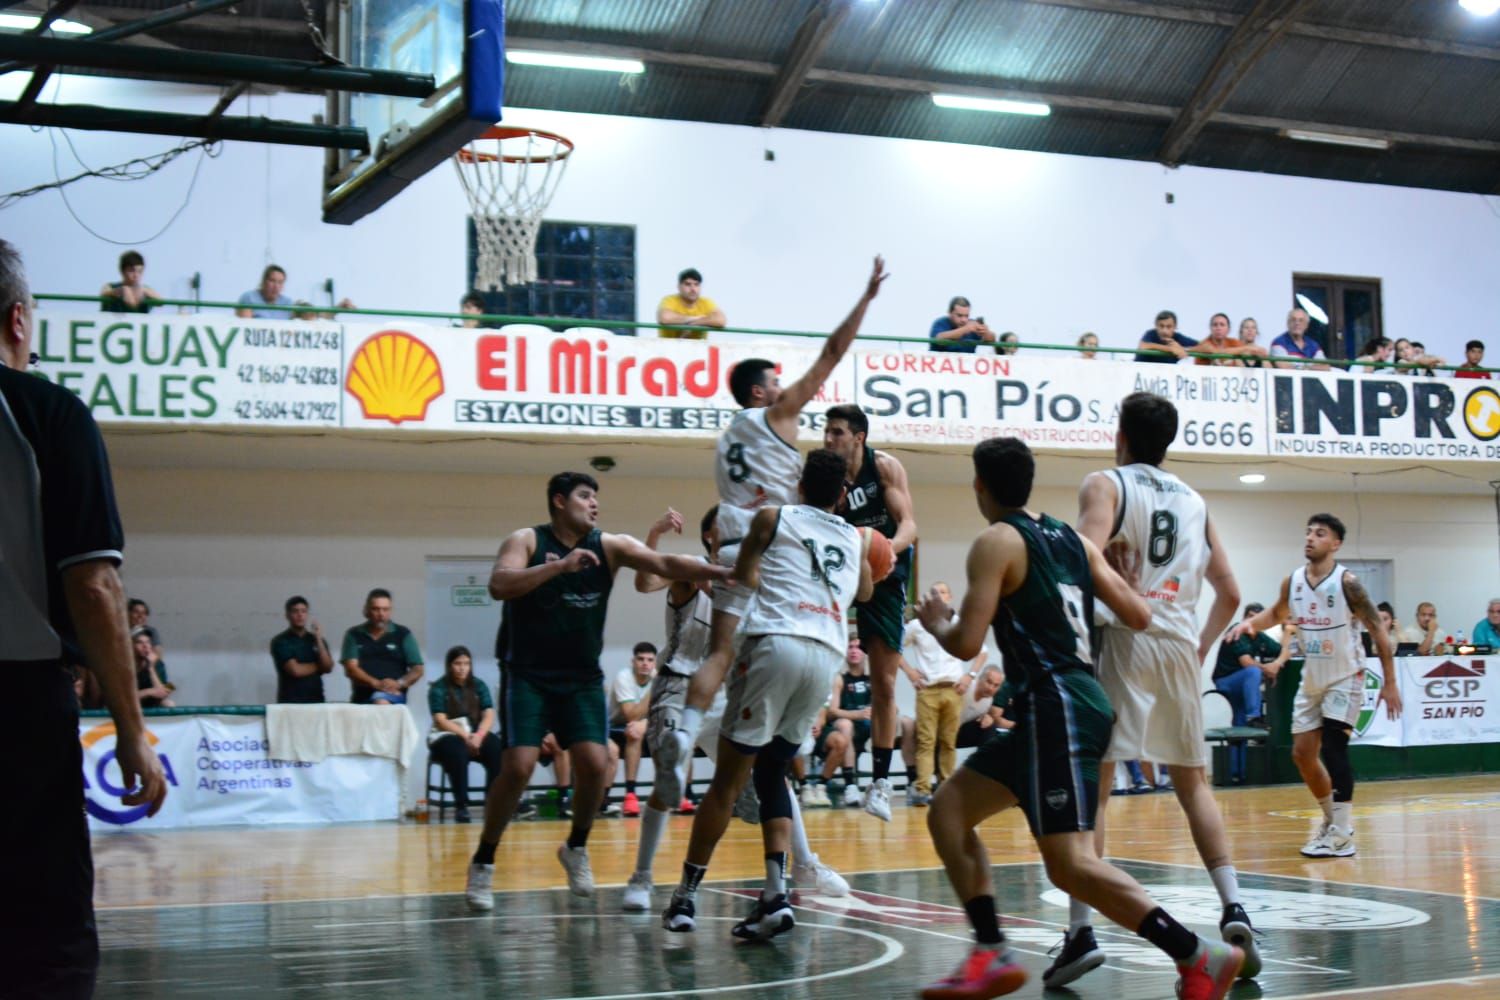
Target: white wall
pixel 1046 245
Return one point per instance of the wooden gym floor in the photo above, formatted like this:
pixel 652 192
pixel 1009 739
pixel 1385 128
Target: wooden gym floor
pixel 377 909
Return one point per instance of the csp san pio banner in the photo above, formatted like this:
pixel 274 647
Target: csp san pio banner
pixel 1446 700
pixel 220 771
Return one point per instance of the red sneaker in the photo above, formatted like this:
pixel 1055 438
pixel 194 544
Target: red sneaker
pixel 1211 975
pixel 686 807
pixel 631 806
pixel 987 972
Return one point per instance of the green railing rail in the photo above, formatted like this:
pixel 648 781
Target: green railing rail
pixel 152 713
pixel 602 324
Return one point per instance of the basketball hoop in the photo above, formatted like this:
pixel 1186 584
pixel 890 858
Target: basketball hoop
pixel 510 175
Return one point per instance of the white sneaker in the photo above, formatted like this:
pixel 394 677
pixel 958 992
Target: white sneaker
pixel 479 891
pixel 878 799
pixel 1340 841
pixel 809 796
pixel 637 897
pixel 852 796
pixel 575 862
pixel 817 876
pixel 1317 845
pixel 671 760
pixel 820 796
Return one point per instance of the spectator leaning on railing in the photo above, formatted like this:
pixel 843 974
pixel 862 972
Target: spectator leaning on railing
pixel 1295 343
pixel 1089 344
pixel 129 294
pixel 1163 345
pixel 1487 629
pixel 1220 342
pixel 689 306
pixel 956 332
pixel 254 303
pixel 1473 361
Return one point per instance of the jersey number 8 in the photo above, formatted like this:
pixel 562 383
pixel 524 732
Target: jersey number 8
pixel 1162 545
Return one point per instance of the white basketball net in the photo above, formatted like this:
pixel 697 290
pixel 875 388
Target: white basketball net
pixel 509 183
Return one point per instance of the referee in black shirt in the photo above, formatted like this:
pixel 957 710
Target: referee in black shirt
pixel 61 601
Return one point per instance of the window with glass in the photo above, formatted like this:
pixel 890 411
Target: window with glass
pixel 584 271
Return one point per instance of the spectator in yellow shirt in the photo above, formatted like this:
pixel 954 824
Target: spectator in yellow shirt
pixel 689 307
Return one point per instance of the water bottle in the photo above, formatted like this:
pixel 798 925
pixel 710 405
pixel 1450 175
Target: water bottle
pixel 547 807
pixel 1462 640
pixel 420 814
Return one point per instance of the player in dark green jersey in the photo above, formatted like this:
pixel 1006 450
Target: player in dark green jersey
pixel 878 498
pixel 555 580
pixel 1034 580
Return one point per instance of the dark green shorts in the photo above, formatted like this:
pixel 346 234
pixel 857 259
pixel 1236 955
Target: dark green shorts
pixel 1050 760
pixel 861 735
pixel 883 616
pixel 573 712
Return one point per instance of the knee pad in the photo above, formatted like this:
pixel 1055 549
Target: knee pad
pixel 1336 758
pixel 769 774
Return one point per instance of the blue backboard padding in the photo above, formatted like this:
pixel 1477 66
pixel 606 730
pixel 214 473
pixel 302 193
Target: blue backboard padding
pixel 484 59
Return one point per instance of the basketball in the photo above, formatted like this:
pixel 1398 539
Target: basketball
pixel 882 557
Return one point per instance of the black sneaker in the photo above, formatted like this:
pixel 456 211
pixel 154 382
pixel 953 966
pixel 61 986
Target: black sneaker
pixel 769 918
pixel 1234 928
pixel 1078 954
pixel 461 815
pixel 564 809
pixel 680 915
pixel 526 810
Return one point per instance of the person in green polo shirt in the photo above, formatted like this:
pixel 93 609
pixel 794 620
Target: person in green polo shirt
pixel 301 657
pixel 381 658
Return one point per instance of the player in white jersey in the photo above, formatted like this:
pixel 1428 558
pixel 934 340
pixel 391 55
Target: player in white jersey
pixel 1155 525
pixel 1328 604
pixel 688 611
pixel 804 566
pixel 756 465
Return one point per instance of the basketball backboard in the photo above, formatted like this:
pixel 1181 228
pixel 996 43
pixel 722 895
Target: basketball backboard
pixel 461 43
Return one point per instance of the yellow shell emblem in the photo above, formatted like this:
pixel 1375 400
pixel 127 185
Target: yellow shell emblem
pixel 394 376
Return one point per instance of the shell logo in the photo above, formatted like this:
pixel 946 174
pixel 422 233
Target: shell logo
pixel 394 376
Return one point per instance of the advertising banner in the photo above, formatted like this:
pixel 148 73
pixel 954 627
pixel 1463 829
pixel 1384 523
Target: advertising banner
pixel 220 771
pixel 1446 700
pixel 529 381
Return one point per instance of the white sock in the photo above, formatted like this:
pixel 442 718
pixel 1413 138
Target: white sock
pixel 691 722
pixel 1079 915
pixel 1326 804
pixel 802 852
pixel 1227 883
pixel 653 823
pixel 1342 816
pixel 775 876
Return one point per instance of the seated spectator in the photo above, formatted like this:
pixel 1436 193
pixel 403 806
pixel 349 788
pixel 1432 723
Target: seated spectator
pixel 1163 345
pixel 1427 633
pixel 983 710
pixel 257 302
pixel 1376 352
pixel 562 771
pixel 1009 343
pixel 1249 333
pixel 688 306
pixel 1220 342
pixel 956 333
pixel 472 306
pixel 1295 343
pixel 1425 364
pixel 940 680
pixel 139 613
pixel 301 657
pixel 129 295
pixel 463 727
pixel 151 686
pixel 1473 366
pixel 381 658
pixel 1487 630
pixel 1242 667
pixel 629 701
pixel 1090 344
pixel 846 731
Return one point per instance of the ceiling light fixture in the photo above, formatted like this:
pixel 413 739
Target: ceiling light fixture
pixel 1312 309
pixel 562 60
pixel 28 22
pixel 1253 478
pixel 1003 106
pixel 1338 138
pixel 1480 8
